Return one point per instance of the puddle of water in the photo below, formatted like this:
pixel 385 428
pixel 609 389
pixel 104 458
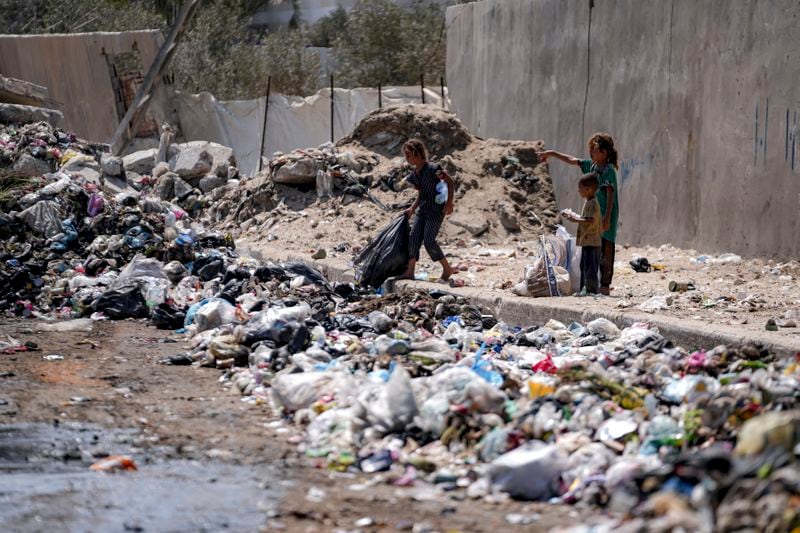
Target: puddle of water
pixel 46 485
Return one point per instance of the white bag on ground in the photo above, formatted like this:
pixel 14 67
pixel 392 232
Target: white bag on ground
pixel 530 472
pixel 300 390
pixel 214 314
pixel 572 261
pixel 390 407
pixel 536 284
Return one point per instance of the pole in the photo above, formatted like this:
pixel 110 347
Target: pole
pixel 422 86
pixel 380 97
pixel 441 84
pixel 331 107
pixel 264 126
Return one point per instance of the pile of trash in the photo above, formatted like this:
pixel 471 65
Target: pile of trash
pixel 85 233
pixel 432 391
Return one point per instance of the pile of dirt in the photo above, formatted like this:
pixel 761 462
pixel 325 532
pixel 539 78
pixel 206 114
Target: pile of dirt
pixel 385 130
pixel 503 192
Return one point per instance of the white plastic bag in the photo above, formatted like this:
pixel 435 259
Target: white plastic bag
pixel 572 261
pixel 141 267
pixel 391 406
pixel 214 314
pixel 529 472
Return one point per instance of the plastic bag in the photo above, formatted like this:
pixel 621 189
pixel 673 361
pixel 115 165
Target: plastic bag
pixel 530 472
pixel 214 314
pixel 164 316
pixel 96 204
pixel 536 283
pixel 572 259
pixel 441 192
pixel 123 302
pixel 603 327
pixel 43 218
pixel 297 268
pixel 392 406
pixel 140 267
pixel 385 256
pixel 298 391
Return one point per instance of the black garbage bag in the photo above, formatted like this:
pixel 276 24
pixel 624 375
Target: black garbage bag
pixel 298 268
pixel 164 316
pixel 641 265
pixel 125 302
pixel 208 267
pixel 386 256
pixel 232 290
pixel 270 272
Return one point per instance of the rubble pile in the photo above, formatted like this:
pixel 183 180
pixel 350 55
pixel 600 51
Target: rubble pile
pixel 501 188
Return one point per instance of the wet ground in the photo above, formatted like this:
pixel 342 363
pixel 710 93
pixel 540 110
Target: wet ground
pixel 47 485
pixel 206 460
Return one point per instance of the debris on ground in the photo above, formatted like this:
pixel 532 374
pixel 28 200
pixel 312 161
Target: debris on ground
pixel 423 389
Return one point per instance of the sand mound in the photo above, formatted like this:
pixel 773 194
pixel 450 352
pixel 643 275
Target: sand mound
pixel 385 130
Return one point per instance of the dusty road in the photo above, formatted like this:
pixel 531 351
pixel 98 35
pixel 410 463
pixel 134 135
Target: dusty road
pixel 206 460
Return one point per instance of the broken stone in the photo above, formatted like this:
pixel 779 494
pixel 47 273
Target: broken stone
pixel 30 166
pixel 320 254
pixel 83 165
pixel 23 114
pixel 141 162
pixel 300 172
pixel 198 158
pixel 474 229
pixel 507 218
pixel 110 165
pixel 165 186
pixel 182 188
pixel 211 182
pixel 115 185
pixel 160 169
pixel 518 196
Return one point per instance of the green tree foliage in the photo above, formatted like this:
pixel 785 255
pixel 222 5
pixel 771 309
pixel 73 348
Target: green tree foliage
pixel 376 42
pixel 72 16
pixel 382 42
pixel 220 55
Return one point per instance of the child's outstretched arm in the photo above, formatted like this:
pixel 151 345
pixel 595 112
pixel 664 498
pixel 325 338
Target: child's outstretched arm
pixel 570 160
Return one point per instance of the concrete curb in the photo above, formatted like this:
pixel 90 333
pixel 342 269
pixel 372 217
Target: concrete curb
pixel 521 311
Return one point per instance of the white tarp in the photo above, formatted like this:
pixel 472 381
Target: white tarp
pixel 293 121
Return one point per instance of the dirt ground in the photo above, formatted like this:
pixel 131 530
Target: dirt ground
pixel 111 378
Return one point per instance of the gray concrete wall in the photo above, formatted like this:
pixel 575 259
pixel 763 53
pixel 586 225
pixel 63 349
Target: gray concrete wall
pixel 74 68
pixel 701 96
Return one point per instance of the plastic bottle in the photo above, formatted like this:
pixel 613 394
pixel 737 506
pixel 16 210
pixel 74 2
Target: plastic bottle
pixel 441 192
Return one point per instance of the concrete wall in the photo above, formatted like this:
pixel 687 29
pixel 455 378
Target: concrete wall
pixel 701 96
pixel 75 69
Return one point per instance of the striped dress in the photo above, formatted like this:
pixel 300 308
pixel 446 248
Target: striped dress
pixel 430 215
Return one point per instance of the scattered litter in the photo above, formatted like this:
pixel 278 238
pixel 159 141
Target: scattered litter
pixel 113 463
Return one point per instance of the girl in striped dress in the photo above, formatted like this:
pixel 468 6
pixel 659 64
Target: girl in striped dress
pixel 425 177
